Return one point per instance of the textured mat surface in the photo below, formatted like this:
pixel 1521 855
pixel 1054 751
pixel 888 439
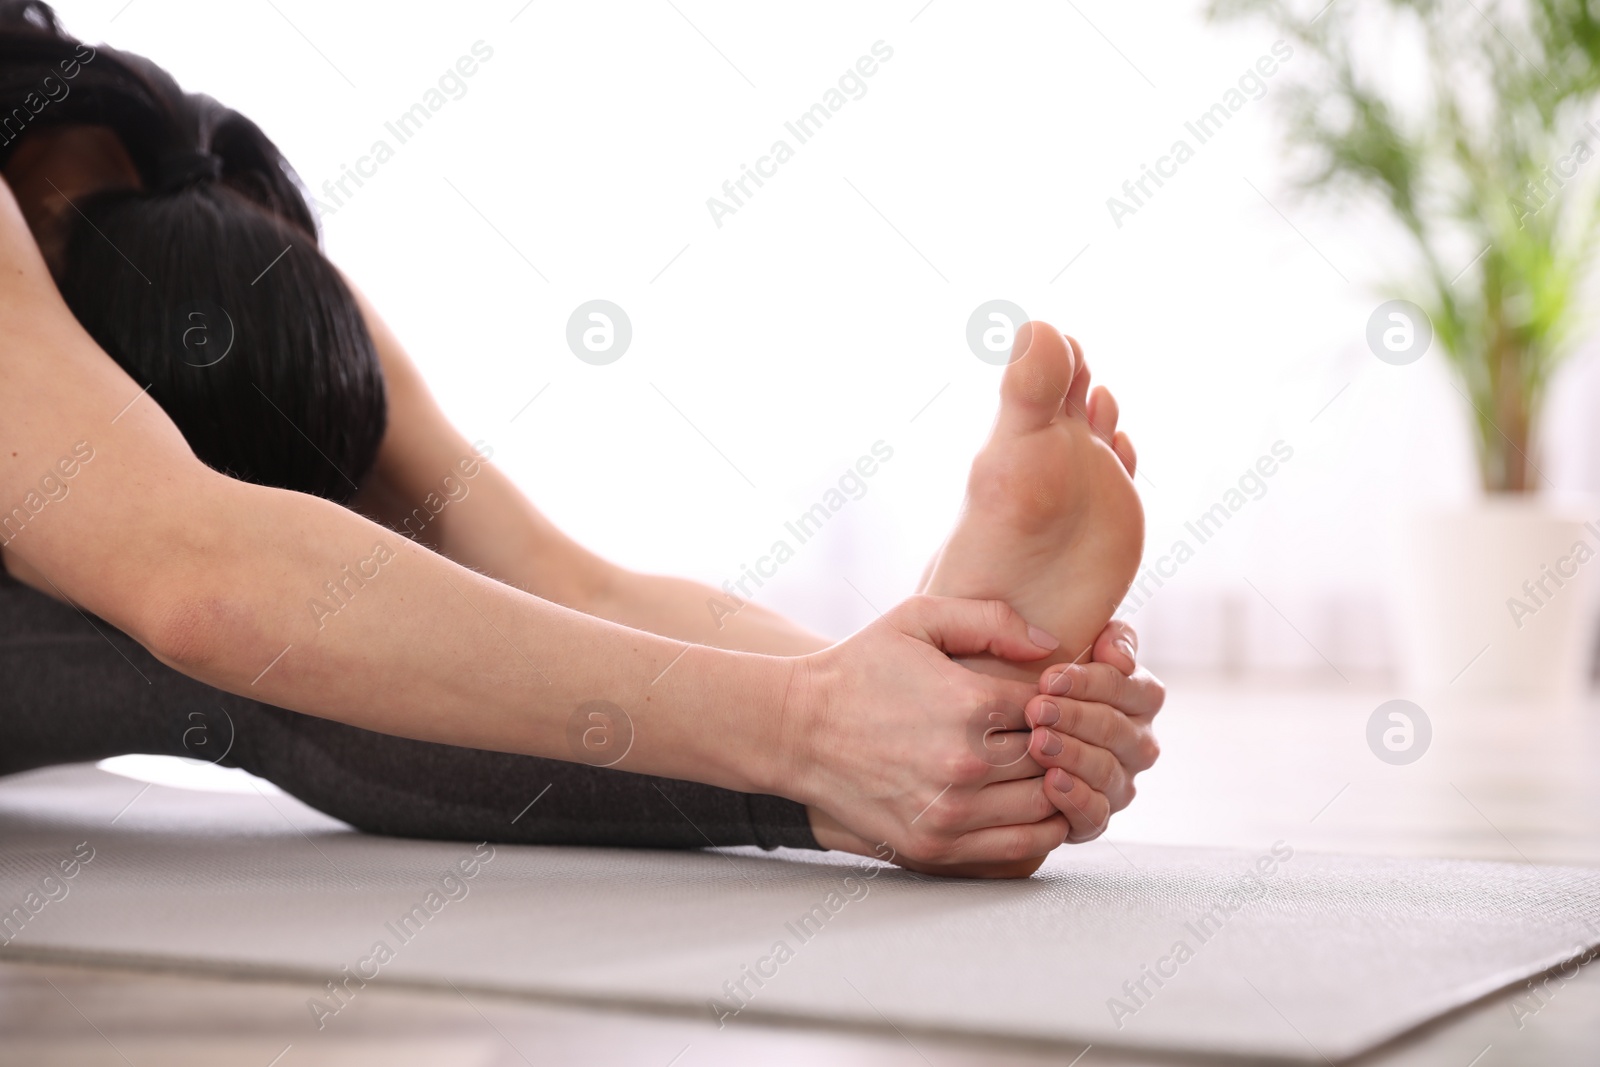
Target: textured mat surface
pixel 1276 953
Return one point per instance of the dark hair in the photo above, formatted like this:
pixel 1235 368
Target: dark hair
pixel 208 283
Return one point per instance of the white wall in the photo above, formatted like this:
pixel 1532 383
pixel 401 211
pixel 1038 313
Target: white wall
pixel 809 325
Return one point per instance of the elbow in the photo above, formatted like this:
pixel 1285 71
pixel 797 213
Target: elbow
pixel 194 633
pixel 194 606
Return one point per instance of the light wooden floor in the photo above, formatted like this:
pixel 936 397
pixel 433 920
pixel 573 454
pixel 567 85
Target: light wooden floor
pixel 1499 782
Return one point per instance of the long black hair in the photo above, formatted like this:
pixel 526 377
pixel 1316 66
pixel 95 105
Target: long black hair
pixel 207 282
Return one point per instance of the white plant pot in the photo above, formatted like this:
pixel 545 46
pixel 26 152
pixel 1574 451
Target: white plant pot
pixel 1499 598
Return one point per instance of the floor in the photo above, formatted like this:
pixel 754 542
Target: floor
pixel 1498 781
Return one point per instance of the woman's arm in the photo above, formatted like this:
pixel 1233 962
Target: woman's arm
pixel 298 602
pixel 486 523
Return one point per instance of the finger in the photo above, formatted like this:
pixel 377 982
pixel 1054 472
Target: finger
pixel 837 837
pixel 1087 813
pixel 998 733
pixel 1140 696
pixel 966 627
pixel 1011 869
pixel 1095 681
pixel 1103 412
pixel 1118 645
pixel 1002 804
pixel 1008 756
pixel 1122 445
pixel 1009 844
pixel 1094 766
pixel 1129 740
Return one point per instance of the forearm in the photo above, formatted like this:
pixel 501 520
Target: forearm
pixel 493 528
pixel 689 611
pixel 300 603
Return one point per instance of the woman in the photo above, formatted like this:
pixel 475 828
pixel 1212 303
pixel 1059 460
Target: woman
pixel 209 433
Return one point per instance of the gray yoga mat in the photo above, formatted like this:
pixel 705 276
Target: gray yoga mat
pixel 1283 953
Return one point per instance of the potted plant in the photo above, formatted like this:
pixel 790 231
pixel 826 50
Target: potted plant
pixel 1489 171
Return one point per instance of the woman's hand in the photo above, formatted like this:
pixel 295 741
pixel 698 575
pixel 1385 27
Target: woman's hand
pixel 886 743
pixel 1092 730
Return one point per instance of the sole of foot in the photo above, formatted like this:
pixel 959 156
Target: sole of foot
pixel 1052 523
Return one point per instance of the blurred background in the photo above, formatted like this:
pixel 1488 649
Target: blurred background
pixel 1366 268
pixel 773 345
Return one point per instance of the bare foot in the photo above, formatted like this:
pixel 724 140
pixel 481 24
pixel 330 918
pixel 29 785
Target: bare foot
pixel 1052 523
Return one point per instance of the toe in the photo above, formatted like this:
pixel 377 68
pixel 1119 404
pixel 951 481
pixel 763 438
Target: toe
pixel 1123 447
pixel 1078 391
pixel 1036 380
pixel 1103 412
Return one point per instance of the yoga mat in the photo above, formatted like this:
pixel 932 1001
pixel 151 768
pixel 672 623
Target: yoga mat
pixel 1270 953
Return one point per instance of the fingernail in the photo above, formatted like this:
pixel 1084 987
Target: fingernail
pixel 1049 714
pixel 1058 684
pixel 1063 782
pixel 1051 746
pixel 1126 647
pixel 1042 639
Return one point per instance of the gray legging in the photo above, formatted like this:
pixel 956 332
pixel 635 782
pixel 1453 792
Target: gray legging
pixel 70 694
